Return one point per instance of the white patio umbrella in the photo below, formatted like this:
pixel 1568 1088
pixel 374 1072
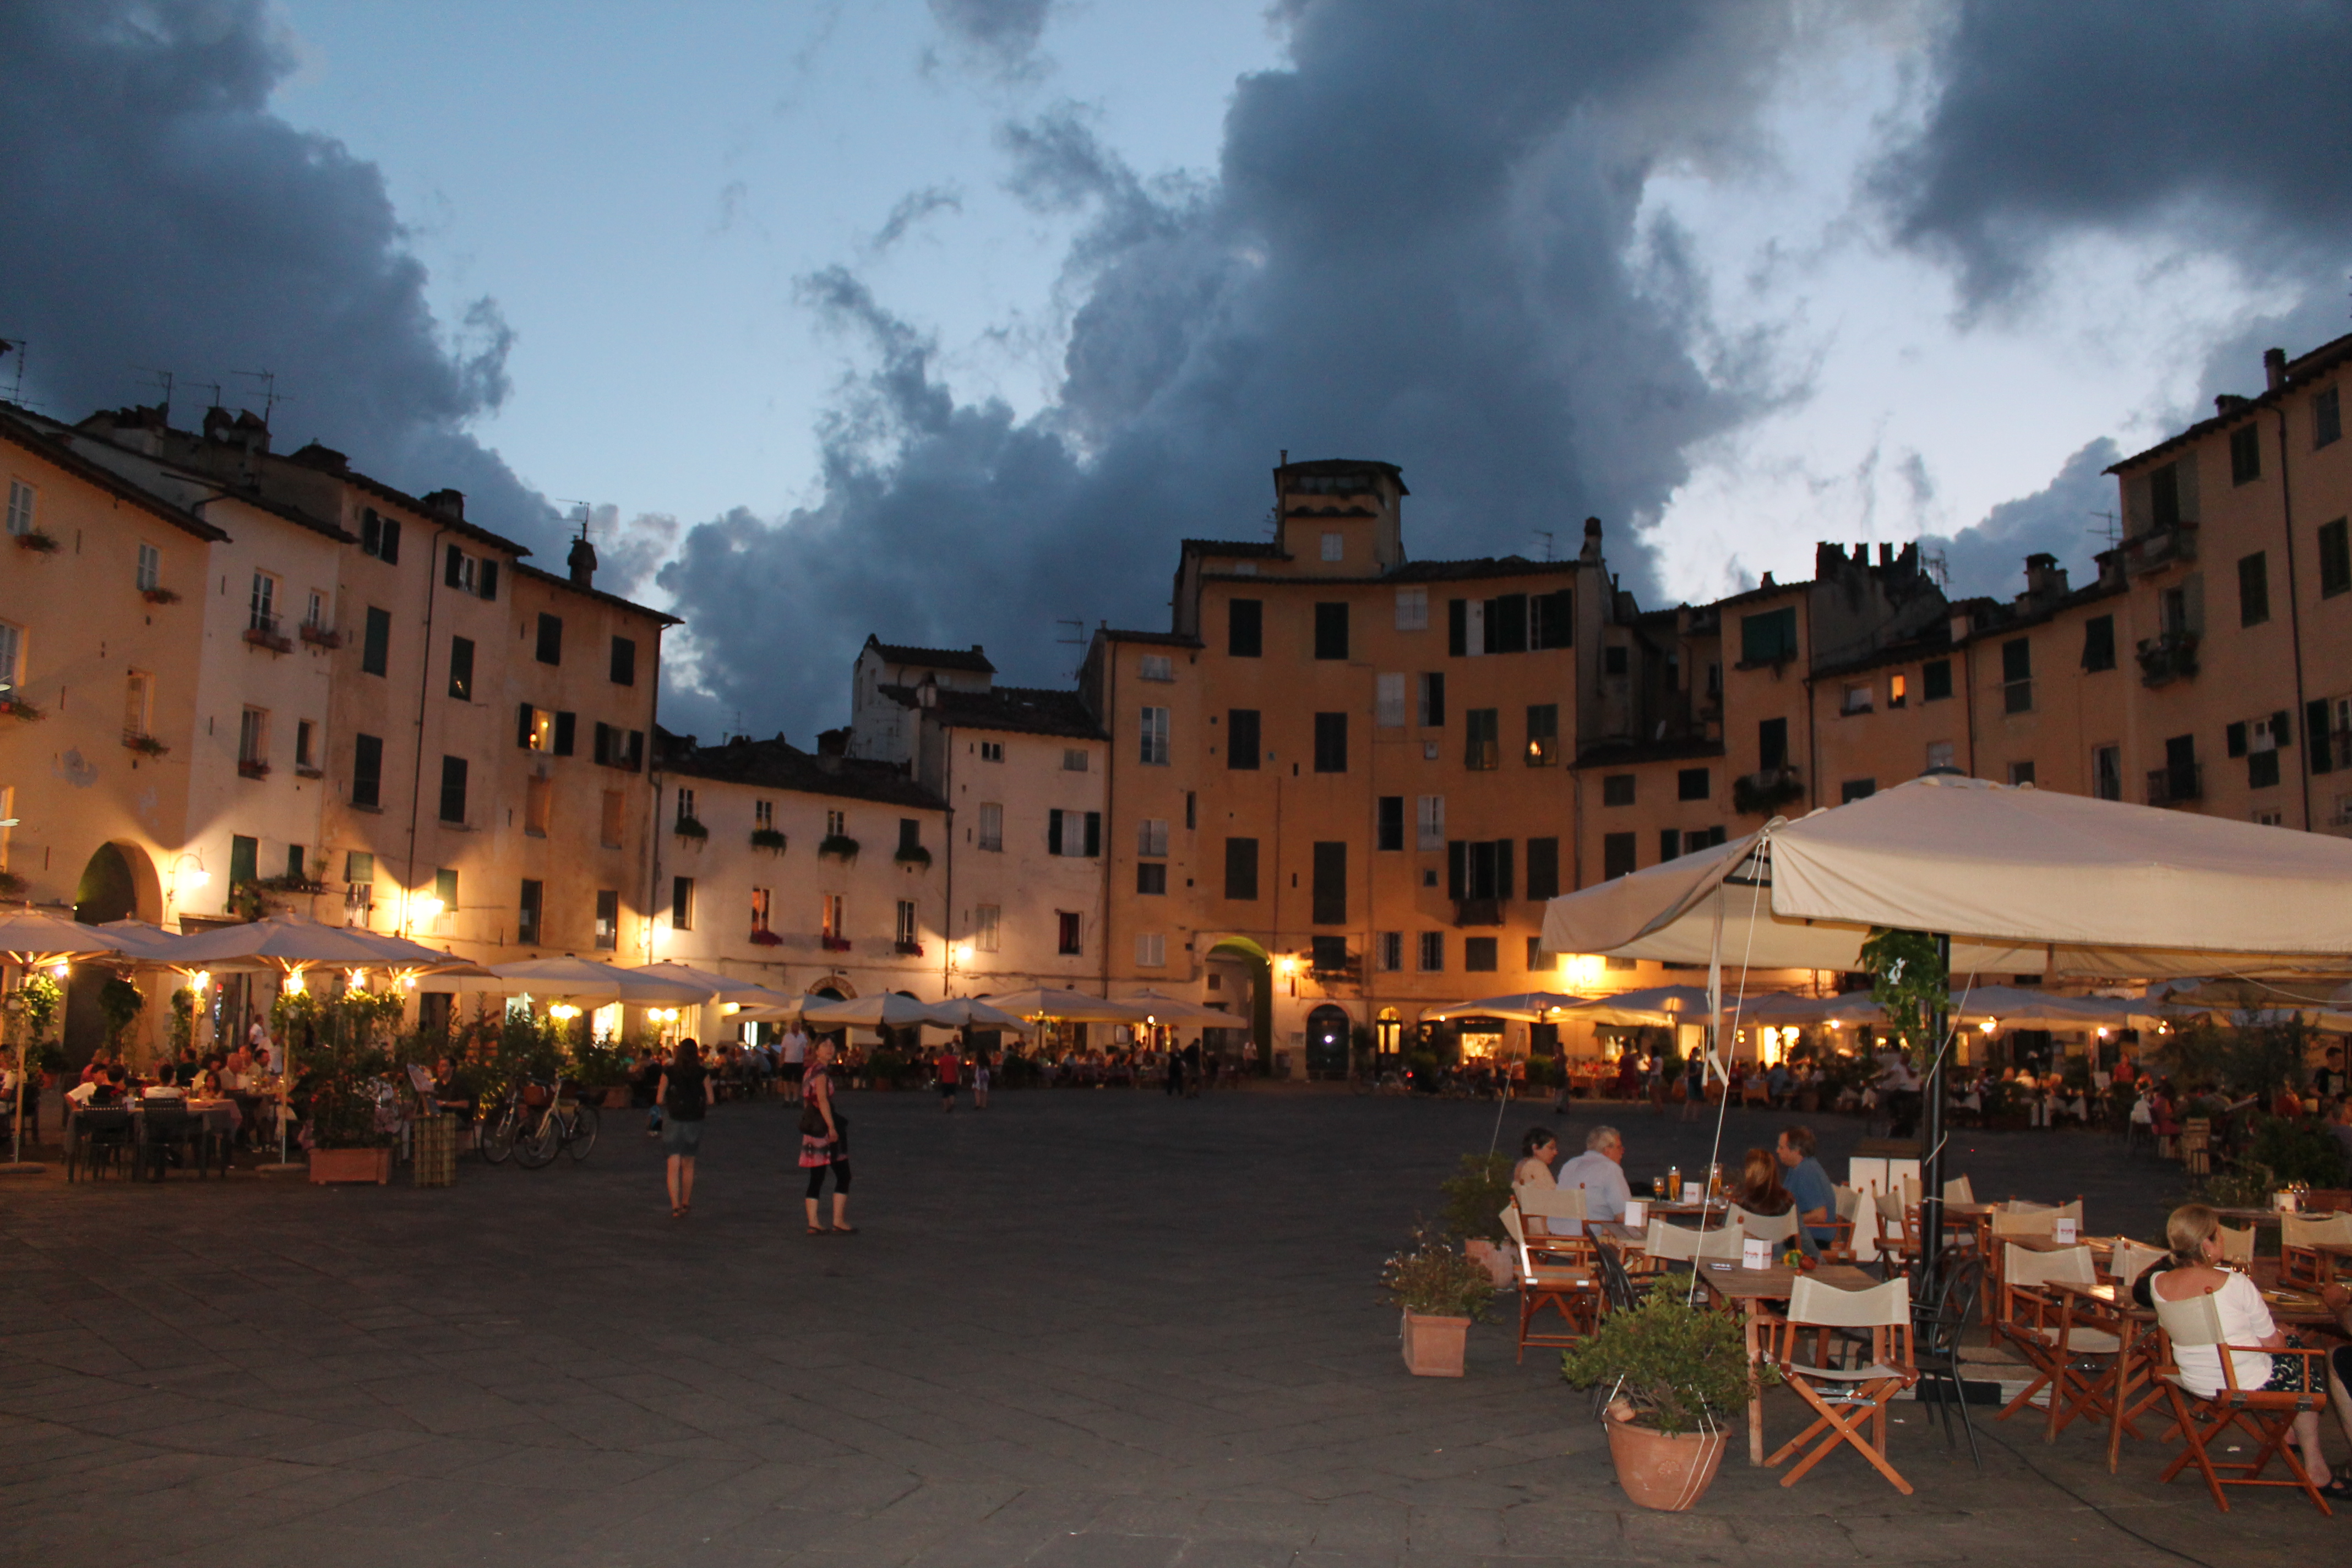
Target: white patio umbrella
pixel 882 1010
pixel 586 980
pixel 1784 1008
pixel 723 988
pixel 969 1011
pixel 1520 1007
pixel 2021 1007
pixel 1069 1006
pixel 1175 1010
pixel 35 938
pixel 1659 1007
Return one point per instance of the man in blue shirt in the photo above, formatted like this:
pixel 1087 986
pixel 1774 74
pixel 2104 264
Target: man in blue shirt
pixel 1807 1182
pixel 1597 1172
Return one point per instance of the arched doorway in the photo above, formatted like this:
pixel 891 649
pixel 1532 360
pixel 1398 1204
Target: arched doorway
pixel 1387 1034
pixel 1327 1041
pixel 108 891
pixel 1241 980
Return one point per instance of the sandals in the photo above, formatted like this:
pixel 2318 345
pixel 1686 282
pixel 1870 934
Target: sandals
pixel 2337 1490
pixel 845 1230
pixel 817 1230
pixel 677 1212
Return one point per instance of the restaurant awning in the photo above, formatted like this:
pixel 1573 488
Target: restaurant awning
pixel 1519 1006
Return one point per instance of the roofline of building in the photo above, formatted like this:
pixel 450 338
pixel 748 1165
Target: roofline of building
pixel 18 429
pixel 2299 374
pixel 536 575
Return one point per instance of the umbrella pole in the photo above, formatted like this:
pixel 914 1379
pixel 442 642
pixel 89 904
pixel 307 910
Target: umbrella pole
pixel 284 1106
pixel 1931 1134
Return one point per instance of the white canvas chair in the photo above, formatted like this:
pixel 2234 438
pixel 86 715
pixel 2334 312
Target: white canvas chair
pixel 2238 1245
pixel 1672 1244
pixel 1839 1248
pixel 1849 1403
pixel 1776 1228
pixel 1959 1191
pixel 1544 1279
pixel 2300 1237
pixel 2131 1261
pixel 2266 1417
pixel 1554 1217
pixel 1898 1231
pixel 2065 1340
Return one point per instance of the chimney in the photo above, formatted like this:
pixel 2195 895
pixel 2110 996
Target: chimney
pixel 582 561
pixel 2045 578
pixel 1591 556
pixel 2274 368
pixel 1886 555
pixel 450 504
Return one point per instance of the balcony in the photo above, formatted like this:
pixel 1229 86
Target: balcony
pixel 2168 658
pixel 910 949
pixel 321 636
pixel 263 633
pixel 2182 785
pixel 834 943
pixel 2160 547
pixel 252 768
pixel 1761 794
pixel 1477 911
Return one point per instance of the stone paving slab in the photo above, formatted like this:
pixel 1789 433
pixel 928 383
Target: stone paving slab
pixel 1085 1328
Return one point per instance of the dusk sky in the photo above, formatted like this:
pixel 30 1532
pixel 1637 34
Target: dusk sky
pixel 947 320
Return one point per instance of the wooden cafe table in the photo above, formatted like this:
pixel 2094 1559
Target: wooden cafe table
pixel 1752 1289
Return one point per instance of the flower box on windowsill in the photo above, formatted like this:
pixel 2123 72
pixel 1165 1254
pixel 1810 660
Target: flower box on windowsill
pixel 834 943
pixel 17 708
pixel 838 847
pixel 253 769
pixel 321 636
pixel 303 772
pixel 159 595
pixel 687 827
pixel 910 949
pixel 766 939
pixel 913 855
pixel 768 838
pixel 36 541
pixel 262 636
pixel 145 745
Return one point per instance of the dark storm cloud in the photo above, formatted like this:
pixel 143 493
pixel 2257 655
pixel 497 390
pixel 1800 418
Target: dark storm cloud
pixel 159 215
pixel 2067 518
pixel 1421 245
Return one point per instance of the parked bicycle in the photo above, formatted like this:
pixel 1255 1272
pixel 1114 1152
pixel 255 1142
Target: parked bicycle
pixel 537 1121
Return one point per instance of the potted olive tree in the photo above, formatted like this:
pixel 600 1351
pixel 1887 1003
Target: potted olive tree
pixel 1676 1381
pixel 1475 1197
pixel 1440 1293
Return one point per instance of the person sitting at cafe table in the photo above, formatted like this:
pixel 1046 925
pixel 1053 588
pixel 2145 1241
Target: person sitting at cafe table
pixel 1537 1150
pixel 2194 1235
pixel 1757 1189
pixel 1809 1185
pixel 1597 1171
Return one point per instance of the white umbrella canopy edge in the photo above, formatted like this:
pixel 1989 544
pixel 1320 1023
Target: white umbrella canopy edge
pixel 585 978
pixel 32 937
pixel 1175 1011
pixel 1070 1006
pixel 1519 1006
pixel 881 1010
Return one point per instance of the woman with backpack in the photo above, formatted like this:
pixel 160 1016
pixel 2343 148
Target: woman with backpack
pixel 684 1100
pixel 824 1142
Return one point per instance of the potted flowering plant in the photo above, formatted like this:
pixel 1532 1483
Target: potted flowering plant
pixel 1677 1378
pixel 1441 1293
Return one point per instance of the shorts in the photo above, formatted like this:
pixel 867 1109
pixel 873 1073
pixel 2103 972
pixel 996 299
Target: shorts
pixel 681 1137
pixel 793 1071
pixel 947 1089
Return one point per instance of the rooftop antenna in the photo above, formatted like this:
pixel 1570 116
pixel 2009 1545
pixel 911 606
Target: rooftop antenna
pixel 17 391
pixel 1550 542
pixel 270 396
pixel 581 513
pixel 1077 628
pixel 163 380
pixel 2113 530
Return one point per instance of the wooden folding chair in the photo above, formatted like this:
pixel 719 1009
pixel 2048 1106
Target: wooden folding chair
pixel 2266 1417
pixel 2068 1346
pixel 1672 1244
pixel 1777 1228
pixel 1960 1189
pixel 2301 1236
pixel 1898 1232
pixel 2237 1245
pixel 2196 1146
pixel 1553 1220
pixel 1571 1291
pixel 2130 1260
pixel 1839 1247
pixel 1848 1404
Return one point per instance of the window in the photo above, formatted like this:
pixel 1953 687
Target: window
pixel 1074 833
pixel 1538 959
pixel 625 661
pixel 12 645
pixel 613 818
pixel 2335 559
pixel 375 643
pixel 1613 659
pixel 2253 588
pixel 1388 831
pixel 1389 950
pixel 2164 510
pixel 1769 637
pixel 1330 905
pixel 833 918
pixel 1899 691
pixel 1936 681
pixel 452 789
pixel 538 802
pixel 686 807
pixel 1505 622
pixel 1335 547
pixel 1244 628
pixel 296 871
pixel 1479 869
pixel 1478 954
pixel 253 742
pixel 1150 877
pixel 2017 676
pixel 1617 854
pixel 535 730
pixel 2107 772
pixel 2261 770
pixel 150 568
pixel 1154 737
pixel 1388 701
pixel 1482 748
pixel 527 908
pixel 550 639
pixel 306 745
pixel 909 935
pixel 244 861
pixel 1459 639
pixel 1150 950
pixel 1861 697
pixel 1617 789
pixel 836 824
pixel 1192 810
pixel 1152 836
pixel 910 837
pixel 380 537
pixel 2099 643
pixel 991 751
pixel 608 920
pixel 614 746
pixel 1412 609
pixel 138 703
pixel 2327 417
pixel 1074 759
pixel 991 827
pixel 1241 869
pixel 763 816
pixel 461 668
pixel 761 903
pixel 1433 701
pixel 1691 784
pixel 986 922
pixel 1543 735
pixel 1429 818
pixel 1071 927
pixel 315 615
pixel 2245 454
pixel 445 888
pixel 472 574
pixel 367 771
pixel 20 507
pixel 1772 744
pixel 1543 869
pixel 263 609
pixel 1853 790
pixel 681 903
pixel 1433 952
pixel 1241 738
pixel 1157 667
pixel 1331 631
pixel 1670 843
pixel 1940 756
pixel 1330 742
pixel 1551 620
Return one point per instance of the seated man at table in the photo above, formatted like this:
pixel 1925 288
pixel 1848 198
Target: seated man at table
pixel 1808 1184
pixel 1597 1172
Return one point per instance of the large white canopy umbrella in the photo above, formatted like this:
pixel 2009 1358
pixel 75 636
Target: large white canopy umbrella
pixel 1069 1006
pixel 1784 1008
pixel 586 980
pixel 723 988
pixel 1520 1007
pixel 969 1011
pixel 1659 1007
pixel 2021 1007
pixel 1174 1010
pixel 882 1010
pixel 32 939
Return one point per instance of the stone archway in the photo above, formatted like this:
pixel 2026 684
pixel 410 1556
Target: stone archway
pixel 108 891
pixel 1327 1028
pixel 1240 963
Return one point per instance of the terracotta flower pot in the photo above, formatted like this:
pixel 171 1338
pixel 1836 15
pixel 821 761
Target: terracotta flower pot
pixel 1434 1346
pixel 1478 1249
pixel 351 1165
pixel 1664 1472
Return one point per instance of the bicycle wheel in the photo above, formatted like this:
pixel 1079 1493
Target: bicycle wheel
pixel 535 1146
pixel 499 1136
pixel 583 1132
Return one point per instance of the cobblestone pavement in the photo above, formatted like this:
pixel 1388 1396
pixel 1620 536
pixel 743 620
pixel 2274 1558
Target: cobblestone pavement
pixel 1083 1328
